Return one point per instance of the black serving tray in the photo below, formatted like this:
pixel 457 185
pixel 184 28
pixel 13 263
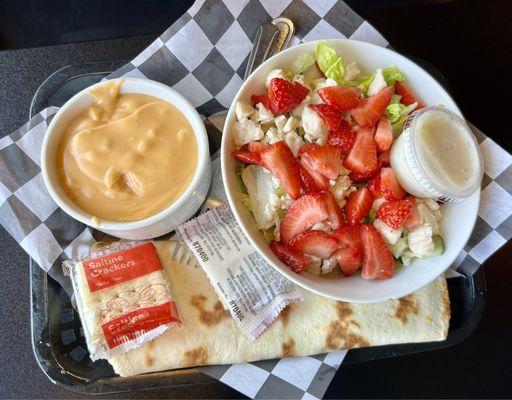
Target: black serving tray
pixel 57 339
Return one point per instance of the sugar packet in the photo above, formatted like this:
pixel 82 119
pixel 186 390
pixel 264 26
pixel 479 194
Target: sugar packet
pixel 252 291
pixel 123 297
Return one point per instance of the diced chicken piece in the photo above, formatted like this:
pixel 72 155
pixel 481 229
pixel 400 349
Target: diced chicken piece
pixel 420 240
pixel 280 122
pixel 264 202
pixel 246 131
pixel 314 126
pixel 263 115
pixel 275 73
pixel 291 124
pixel 378 83
pixel 341 187
pixel 389 234
pixel 243 110
pixel 294 142
pixel 273 135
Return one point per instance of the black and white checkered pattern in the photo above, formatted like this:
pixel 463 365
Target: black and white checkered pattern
pixel 203 56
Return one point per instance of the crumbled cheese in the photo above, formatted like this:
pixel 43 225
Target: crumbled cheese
pixel 341 187
pixel 245 131
pixel 294 142
pixel 389 234
pixel 328 265
pixel 275 73
pixel 262 114
pixel 243 110
pixel 291 124
pixel 351 72
pixel 378 83
pixel 273 135
pixel 280 122
pixel 314 126
pixel 420 240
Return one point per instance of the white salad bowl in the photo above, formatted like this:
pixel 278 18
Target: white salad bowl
pixel 458 219
pixel 156 225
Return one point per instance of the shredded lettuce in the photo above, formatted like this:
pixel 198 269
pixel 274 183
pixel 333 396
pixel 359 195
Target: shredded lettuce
pixel 325 56
pixel 392 74
pixel 238 172
pixel 397 111
pixel 280 191
pixel 246 201
pixel 281 213
pixel 302 63
pixel 268 234
pixel 336 71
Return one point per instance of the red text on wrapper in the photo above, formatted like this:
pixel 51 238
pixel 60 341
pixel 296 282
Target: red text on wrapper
pixel 122 266
pixel 131 325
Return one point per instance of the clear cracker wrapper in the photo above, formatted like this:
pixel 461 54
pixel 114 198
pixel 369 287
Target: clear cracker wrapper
pixel 252 291
pixel 123 297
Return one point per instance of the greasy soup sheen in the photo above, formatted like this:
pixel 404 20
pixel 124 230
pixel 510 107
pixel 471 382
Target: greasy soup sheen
pixel 127 156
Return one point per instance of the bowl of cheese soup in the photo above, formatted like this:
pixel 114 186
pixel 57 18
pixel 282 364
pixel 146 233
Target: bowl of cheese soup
pixel 129 157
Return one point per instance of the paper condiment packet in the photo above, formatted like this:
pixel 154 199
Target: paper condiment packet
pixel 252 291
pixel 123 297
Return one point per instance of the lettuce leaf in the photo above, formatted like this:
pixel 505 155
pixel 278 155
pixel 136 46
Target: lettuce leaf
pixel 301 63
pixel 325 56
pixel 397 111
pixel 336 71
pixel 392 74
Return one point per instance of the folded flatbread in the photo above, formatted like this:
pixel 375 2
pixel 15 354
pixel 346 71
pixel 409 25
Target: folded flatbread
pixel 209 336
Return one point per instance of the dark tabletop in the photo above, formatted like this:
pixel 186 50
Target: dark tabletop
pixel 471 44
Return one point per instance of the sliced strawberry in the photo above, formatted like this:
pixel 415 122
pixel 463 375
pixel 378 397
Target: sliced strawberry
pixel 385 158
pixel 344 137
pixel 325 159
pixel 362 159
pixel 262 98
pixel 349 259
pixel 371 109
pixel 321 182
pixel 407 96
pixel 389 186
pixel 279 160
pixel 374 186
pixel 314 243
pixel 247 157
pixel 305 212
pixel 331 116
pixel 362 177
pixel 256 147
pixel 297 262
pixel 349 236
pixel 394 213
pixel 358 205
pixel 383 134
pixel 344 98
pixel 413 219
pixel 308 183
pixel 334 210
pixel 285 95
pixel 378 261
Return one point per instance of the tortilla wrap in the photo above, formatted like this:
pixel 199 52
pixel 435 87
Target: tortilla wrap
pixel 209 335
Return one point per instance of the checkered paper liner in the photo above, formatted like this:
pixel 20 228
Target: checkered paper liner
pixel 203 55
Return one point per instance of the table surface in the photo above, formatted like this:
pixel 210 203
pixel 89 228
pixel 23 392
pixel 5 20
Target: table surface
pixel 470 43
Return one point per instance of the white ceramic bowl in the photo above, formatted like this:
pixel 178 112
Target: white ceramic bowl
pixel 158 224
pixel 458 220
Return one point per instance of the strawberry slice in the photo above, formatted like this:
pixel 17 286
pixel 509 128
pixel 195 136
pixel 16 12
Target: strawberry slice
pixel 334 210
pixel 285 95
pixel 262 98
pixel 374 186
pixel 279 160
pixel 407 96
pixel 349 259
pixel 343 137
pixel 314 243
pixel 256 147
pixel 324 159
pixel 349 236
pixel 394 213
pixel 343 98
pixel 371 109
pixel 378 261
pixel 331 116
pixel 389 186
pixel 358 205
pixel 295 261
pixel 383 134
pixel 413 219
pixel 308 183
pixel 320 181
pixel 362 159
pixel 247 156
pixel 305 212
pixel 362 177
pixel 385 158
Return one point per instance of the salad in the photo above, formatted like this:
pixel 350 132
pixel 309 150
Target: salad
pixel 314 168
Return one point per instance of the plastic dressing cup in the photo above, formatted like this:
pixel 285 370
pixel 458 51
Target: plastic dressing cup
pixel 437 156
